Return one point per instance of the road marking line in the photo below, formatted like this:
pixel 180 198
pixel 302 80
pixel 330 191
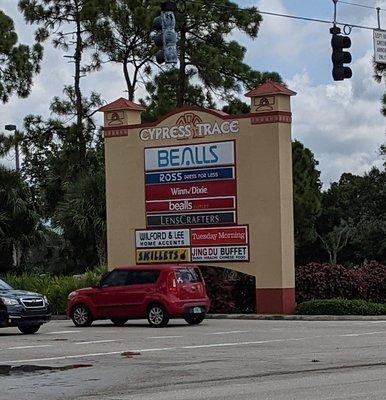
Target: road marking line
pixel 64 357
pixel 164 337
pixel 226 333
pixel 28 347
pixel 360 334
pixel 147 350
pixel 159 349
pixel 377 322
pixel 97 341
pixel 60 332
pixel 178 348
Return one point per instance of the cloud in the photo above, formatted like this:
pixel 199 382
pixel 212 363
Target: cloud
pixel 339 121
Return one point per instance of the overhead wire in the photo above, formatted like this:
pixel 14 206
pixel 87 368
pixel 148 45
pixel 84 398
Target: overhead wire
pixel 297 17
pixel 361 5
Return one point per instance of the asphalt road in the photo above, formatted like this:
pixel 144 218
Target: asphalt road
pixel 220 359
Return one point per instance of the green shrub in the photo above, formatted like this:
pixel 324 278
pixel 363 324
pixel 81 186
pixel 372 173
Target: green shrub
pixel 56 288
pixel 340 307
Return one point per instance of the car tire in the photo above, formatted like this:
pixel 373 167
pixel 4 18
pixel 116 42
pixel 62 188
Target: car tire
pixel 29 329
pixel 119 321
pixel 81 316
pixel 194 319
pixel 157 316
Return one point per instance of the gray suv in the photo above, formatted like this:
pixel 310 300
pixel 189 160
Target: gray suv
pixel 25 310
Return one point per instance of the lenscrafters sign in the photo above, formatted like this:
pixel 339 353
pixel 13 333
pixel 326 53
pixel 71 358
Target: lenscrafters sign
pixel 188 126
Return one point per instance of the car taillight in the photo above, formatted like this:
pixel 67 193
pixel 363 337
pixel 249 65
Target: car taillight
pixel 172 284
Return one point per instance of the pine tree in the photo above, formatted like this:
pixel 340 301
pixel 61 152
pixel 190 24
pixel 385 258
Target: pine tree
pixel 18 63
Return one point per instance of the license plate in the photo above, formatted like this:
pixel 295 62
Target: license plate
pixel 197 310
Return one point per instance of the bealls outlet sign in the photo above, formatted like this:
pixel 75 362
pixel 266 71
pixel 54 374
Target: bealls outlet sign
pixel 194 129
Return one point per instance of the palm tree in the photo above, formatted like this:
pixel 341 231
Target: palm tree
pixel 82 212
pixel 19 222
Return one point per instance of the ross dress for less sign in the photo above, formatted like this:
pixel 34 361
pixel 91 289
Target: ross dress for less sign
pixel 380 46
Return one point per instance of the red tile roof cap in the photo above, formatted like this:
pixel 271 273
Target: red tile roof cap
pixel 121 104
pixel 270 88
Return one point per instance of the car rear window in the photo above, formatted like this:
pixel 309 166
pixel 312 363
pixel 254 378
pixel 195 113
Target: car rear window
pixel 187 275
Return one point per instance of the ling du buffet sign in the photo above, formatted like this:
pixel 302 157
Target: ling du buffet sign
pixel 191 206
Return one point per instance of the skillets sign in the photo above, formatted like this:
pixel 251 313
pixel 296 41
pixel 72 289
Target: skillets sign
pixel 190 185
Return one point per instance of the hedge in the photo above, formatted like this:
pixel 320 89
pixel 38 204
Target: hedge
pixel 56 288
pixel 340 307
pixel 327 281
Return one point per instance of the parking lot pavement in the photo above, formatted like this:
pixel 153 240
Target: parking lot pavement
pixel 219 359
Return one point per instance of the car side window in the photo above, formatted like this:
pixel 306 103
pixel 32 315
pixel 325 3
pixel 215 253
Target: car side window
pixel 115 278
pixel 143 277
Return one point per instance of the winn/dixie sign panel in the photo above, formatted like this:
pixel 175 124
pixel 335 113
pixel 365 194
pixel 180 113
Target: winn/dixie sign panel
pixel 190 156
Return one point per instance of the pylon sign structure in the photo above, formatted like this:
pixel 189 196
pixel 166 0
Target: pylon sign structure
pixel 166 37
pixel 203 187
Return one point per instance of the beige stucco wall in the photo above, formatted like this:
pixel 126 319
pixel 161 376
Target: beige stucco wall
pixel 264 195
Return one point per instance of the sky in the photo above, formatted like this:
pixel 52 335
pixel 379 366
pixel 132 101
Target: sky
pixel 340 122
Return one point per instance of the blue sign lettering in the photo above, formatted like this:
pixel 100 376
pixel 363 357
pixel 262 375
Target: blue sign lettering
pixel 187 156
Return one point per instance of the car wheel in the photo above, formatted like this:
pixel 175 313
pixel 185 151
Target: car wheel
pixel 157 316
pixel 81 316
pixel 194 319
pixel 119 321
pixel 28 329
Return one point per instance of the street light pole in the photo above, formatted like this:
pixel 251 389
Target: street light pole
pixel 17 153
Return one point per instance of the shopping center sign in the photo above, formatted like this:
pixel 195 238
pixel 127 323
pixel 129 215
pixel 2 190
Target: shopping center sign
pixel 194 129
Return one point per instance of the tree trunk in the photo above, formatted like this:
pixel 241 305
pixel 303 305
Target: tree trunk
pixel 78 94
pixel 181 84
pixel 130 87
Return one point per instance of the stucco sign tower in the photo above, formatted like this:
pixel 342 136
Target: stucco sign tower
pixel 203 187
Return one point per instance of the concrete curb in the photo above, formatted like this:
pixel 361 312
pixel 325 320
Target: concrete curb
pixel 298 317
pixel 281 317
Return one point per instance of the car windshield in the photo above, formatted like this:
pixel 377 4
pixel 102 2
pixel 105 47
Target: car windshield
pixel 4 286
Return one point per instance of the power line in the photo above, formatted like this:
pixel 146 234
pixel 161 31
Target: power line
pixel 361 5
pixel 344 24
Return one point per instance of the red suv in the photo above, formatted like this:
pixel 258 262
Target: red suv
pixel 155 292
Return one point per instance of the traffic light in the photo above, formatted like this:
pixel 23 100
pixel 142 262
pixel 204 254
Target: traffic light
pixel 339 56
pixel 166 38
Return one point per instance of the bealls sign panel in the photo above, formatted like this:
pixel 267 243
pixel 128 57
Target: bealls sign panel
pixel 220 253
pixel 167 177
pixel 213 218
pixel 163 256
pixel 192 156
pixel 162 238
pixel 189 205
pixel 190 190
pixel 233 235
